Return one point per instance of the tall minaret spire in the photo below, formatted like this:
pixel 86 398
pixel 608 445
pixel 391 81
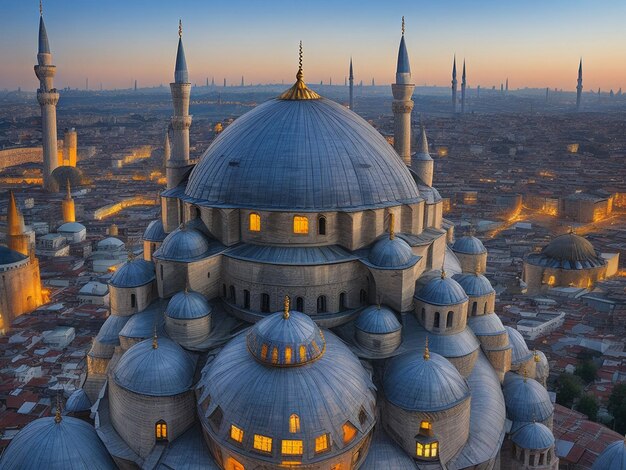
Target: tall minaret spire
pixel 178 163
pixel 17 239
pixel 463 85
pixel 454 83
pixel 67 206
pixel 166 148
pixel 579 86
pixel 402 104
pixel 48 98
pixel 422 163
pixel 351 78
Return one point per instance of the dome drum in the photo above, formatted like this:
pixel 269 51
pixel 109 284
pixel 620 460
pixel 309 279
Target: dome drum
pixel 188 333
pixel 128 301
pixel 441 319
pixel 378 330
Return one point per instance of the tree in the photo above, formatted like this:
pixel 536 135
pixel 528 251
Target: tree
pixel 617 407
pixel 568 389
pixel 588 405
pixel 587 371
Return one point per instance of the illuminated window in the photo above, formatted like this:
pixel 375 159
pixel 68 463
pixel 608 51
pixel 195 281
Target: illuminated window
pixel 275 355
pixel 294 423
pixel 232 464
pixel 551 280
pixel 160 431
pixel 236 434
pixel 288 355
pixel 321 444
pixel 262 443
pixel 291 447
pixel 300 224
pixel 302 353
pixel 254 223
pixel 426 426
pixel 349 432
pixel 427 451
pixel 264 351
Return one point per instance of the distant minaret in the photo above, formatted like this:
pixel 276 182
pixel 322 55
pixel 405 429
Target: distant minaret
pixel 242 82
pixel 547 93
pixel 422 163
pixel 224 83
pixel 579 86
pixel 373 82
pixel 178 163
pixel 212 81
pixel 166 148
pixel 48 98
pixel 506 86
pixel 351 78
pixel 67 206
pixel 402 104
pixel 463 85
pixel 135 84
pixel 17 239
pixel 454 83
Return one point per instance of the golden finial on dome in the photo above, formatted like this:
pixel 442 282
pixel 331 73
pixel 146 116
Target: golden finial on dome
pixel 392 225
pixel 299 90
pixel 536 357
pixel 155 343
pixel 402 25
pixel 180 28
pixel 426 350
pixel 286 308
pixel 525 374
pixel 57 414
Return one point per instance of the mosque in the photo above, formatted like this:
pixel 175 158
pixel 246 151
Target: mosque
pixel 298 306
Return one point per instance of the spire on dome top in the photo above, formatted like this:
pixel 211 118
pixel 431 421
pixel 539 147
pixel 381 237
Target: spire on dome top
pixel 299 90
pixel 351 76
pixel 426 350
pixel 44 46
pixel 57 413
pixel 155 343
pixel 286 308
pixel 423 147
pixel 181 75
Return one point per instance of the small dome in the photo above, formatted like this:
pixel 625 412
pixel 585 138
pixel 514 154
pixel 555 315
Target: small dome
pixel 442 290
pixel 71 227
pixel 542 367
pixel 77 402
pixel 392 253
pixel 183 244
pixel 469 245
pixel 188 305
pixel 568 251
pixel 135 273
pixel 385 453
pixel 377 320
pixel 70 444
pixel 526 399
pixel 164 370
pixel 155 232
pixel 110 243
pixel 520 353
pixel 414 383
pixel 612 458
pixel 534 436
pixel 284 340
pixel 9 256
pixel 474 285
pixel 61 174
pixel 486 325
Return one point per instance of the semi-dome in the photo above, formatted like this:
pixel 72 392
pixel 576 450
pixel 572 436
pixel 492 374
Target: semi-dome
pixel 154 231
pixel 533 436
pixel 78 401
pixel 183 244
pixel 110 243
pixel 9 256
pixel 155 367
pixel 526 399
pixel 474 285
pixel 520 352
pixel 377 320
pixel 56 443
pixel 286 338
pixel 612 458
pixel 187 305
pixel 469 245
pixel 306 154
pixel 567 251
pixel 392 253
pixel 133 273
pixel 425 383
pixel 486 325
pixel 62 174
pixel 71 227
pixel 442 290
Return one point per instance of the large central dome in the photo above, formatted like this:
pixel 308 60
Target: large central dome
pixel 308 155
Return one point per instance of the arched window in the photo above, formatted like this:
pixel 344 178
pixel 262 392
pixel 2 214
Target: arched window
pixel 302 353
pixel 301 224
pixel 342 301
pixel 246 299
pixel 232 294
pixel 485 308
pixel 450 319
pixel 299 304
pixel 322 443
pixel 426 446
pixel 133 300
pixel 349 432
pixel 321 304
pixel 265 303
pixel 254 222
pixel 287 354
pixel 423 315
pixel 264 351
pixel 551 280
pixel 363 296
pixel 294 423
pixel 160 430
pixel 474 308
pixel 321 225
pixel 274 355
pixel 436 322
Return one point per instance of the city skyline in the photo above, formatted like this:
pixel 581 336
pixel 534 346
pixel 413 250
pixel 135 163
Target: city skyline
pixel 498 42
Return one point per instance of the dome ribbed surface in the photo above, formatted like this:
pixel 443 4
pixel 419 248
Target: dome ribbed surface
pixel 377 320
pixel 71 227
pixel 391 253
pixel 154 231
pixel 469 245
pixel 534 436
pixel 520 352
pixel 442 291
pixel 135 273
pixel 474 285
pixel 486 325
pixel 612 458
pixel 416 384
pixel 188 305
pixel 526 399
pixel 71 444
pixel 301 155
pixel 9 256
pixel 183 244
pixel 163 371
pixel 568 251
pixel 78 401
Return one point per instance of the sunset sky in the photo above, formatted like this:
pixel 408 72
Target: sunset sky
pixel 535 43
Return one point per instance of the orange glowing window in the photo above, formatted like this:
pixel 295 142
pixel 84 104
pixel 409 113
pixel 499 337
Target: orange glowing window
pixel 426 425
pixel 287 355
pixel 301 224
pixel 275 355
pixel 232 464
pixel 236 434
pixel 254 222
pixel 428 451
pixel 302 353
pixel 161 431
pixel 291 447
pixel 294 423
pixel 321 444
pixel 264 351
pixel 349 432
pixel 551 280
pixel 262 443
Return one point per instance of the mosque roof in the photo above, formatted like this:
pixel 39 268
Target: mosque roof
pixel 567 251
pixel 154 232
pixel 442 291
pixel 377 320
pixel 135 273
pixel 520 352
pixel 486 325
pixel 385 453
pixel 469 245
pixel 392 253
pixel 9 256
pixel 181 75
pixel 474 285
pixel 526 399
pixel 71 227
pixel 77 401
pixel 612 458
pixel 533 436
pixel 44 45
pixel 187 305
pixel 183 244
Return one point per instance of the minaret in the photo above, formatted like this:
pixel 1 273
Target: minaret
pixel 402 105
pixel 421 163
pixel 166 148
pixel 178 164
pixel 67 206
pixel 351 78
pixel 463 85
pixel 579 87
pixel 17 239
pixel 454 83
pixel 48 98
pixel 506 86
